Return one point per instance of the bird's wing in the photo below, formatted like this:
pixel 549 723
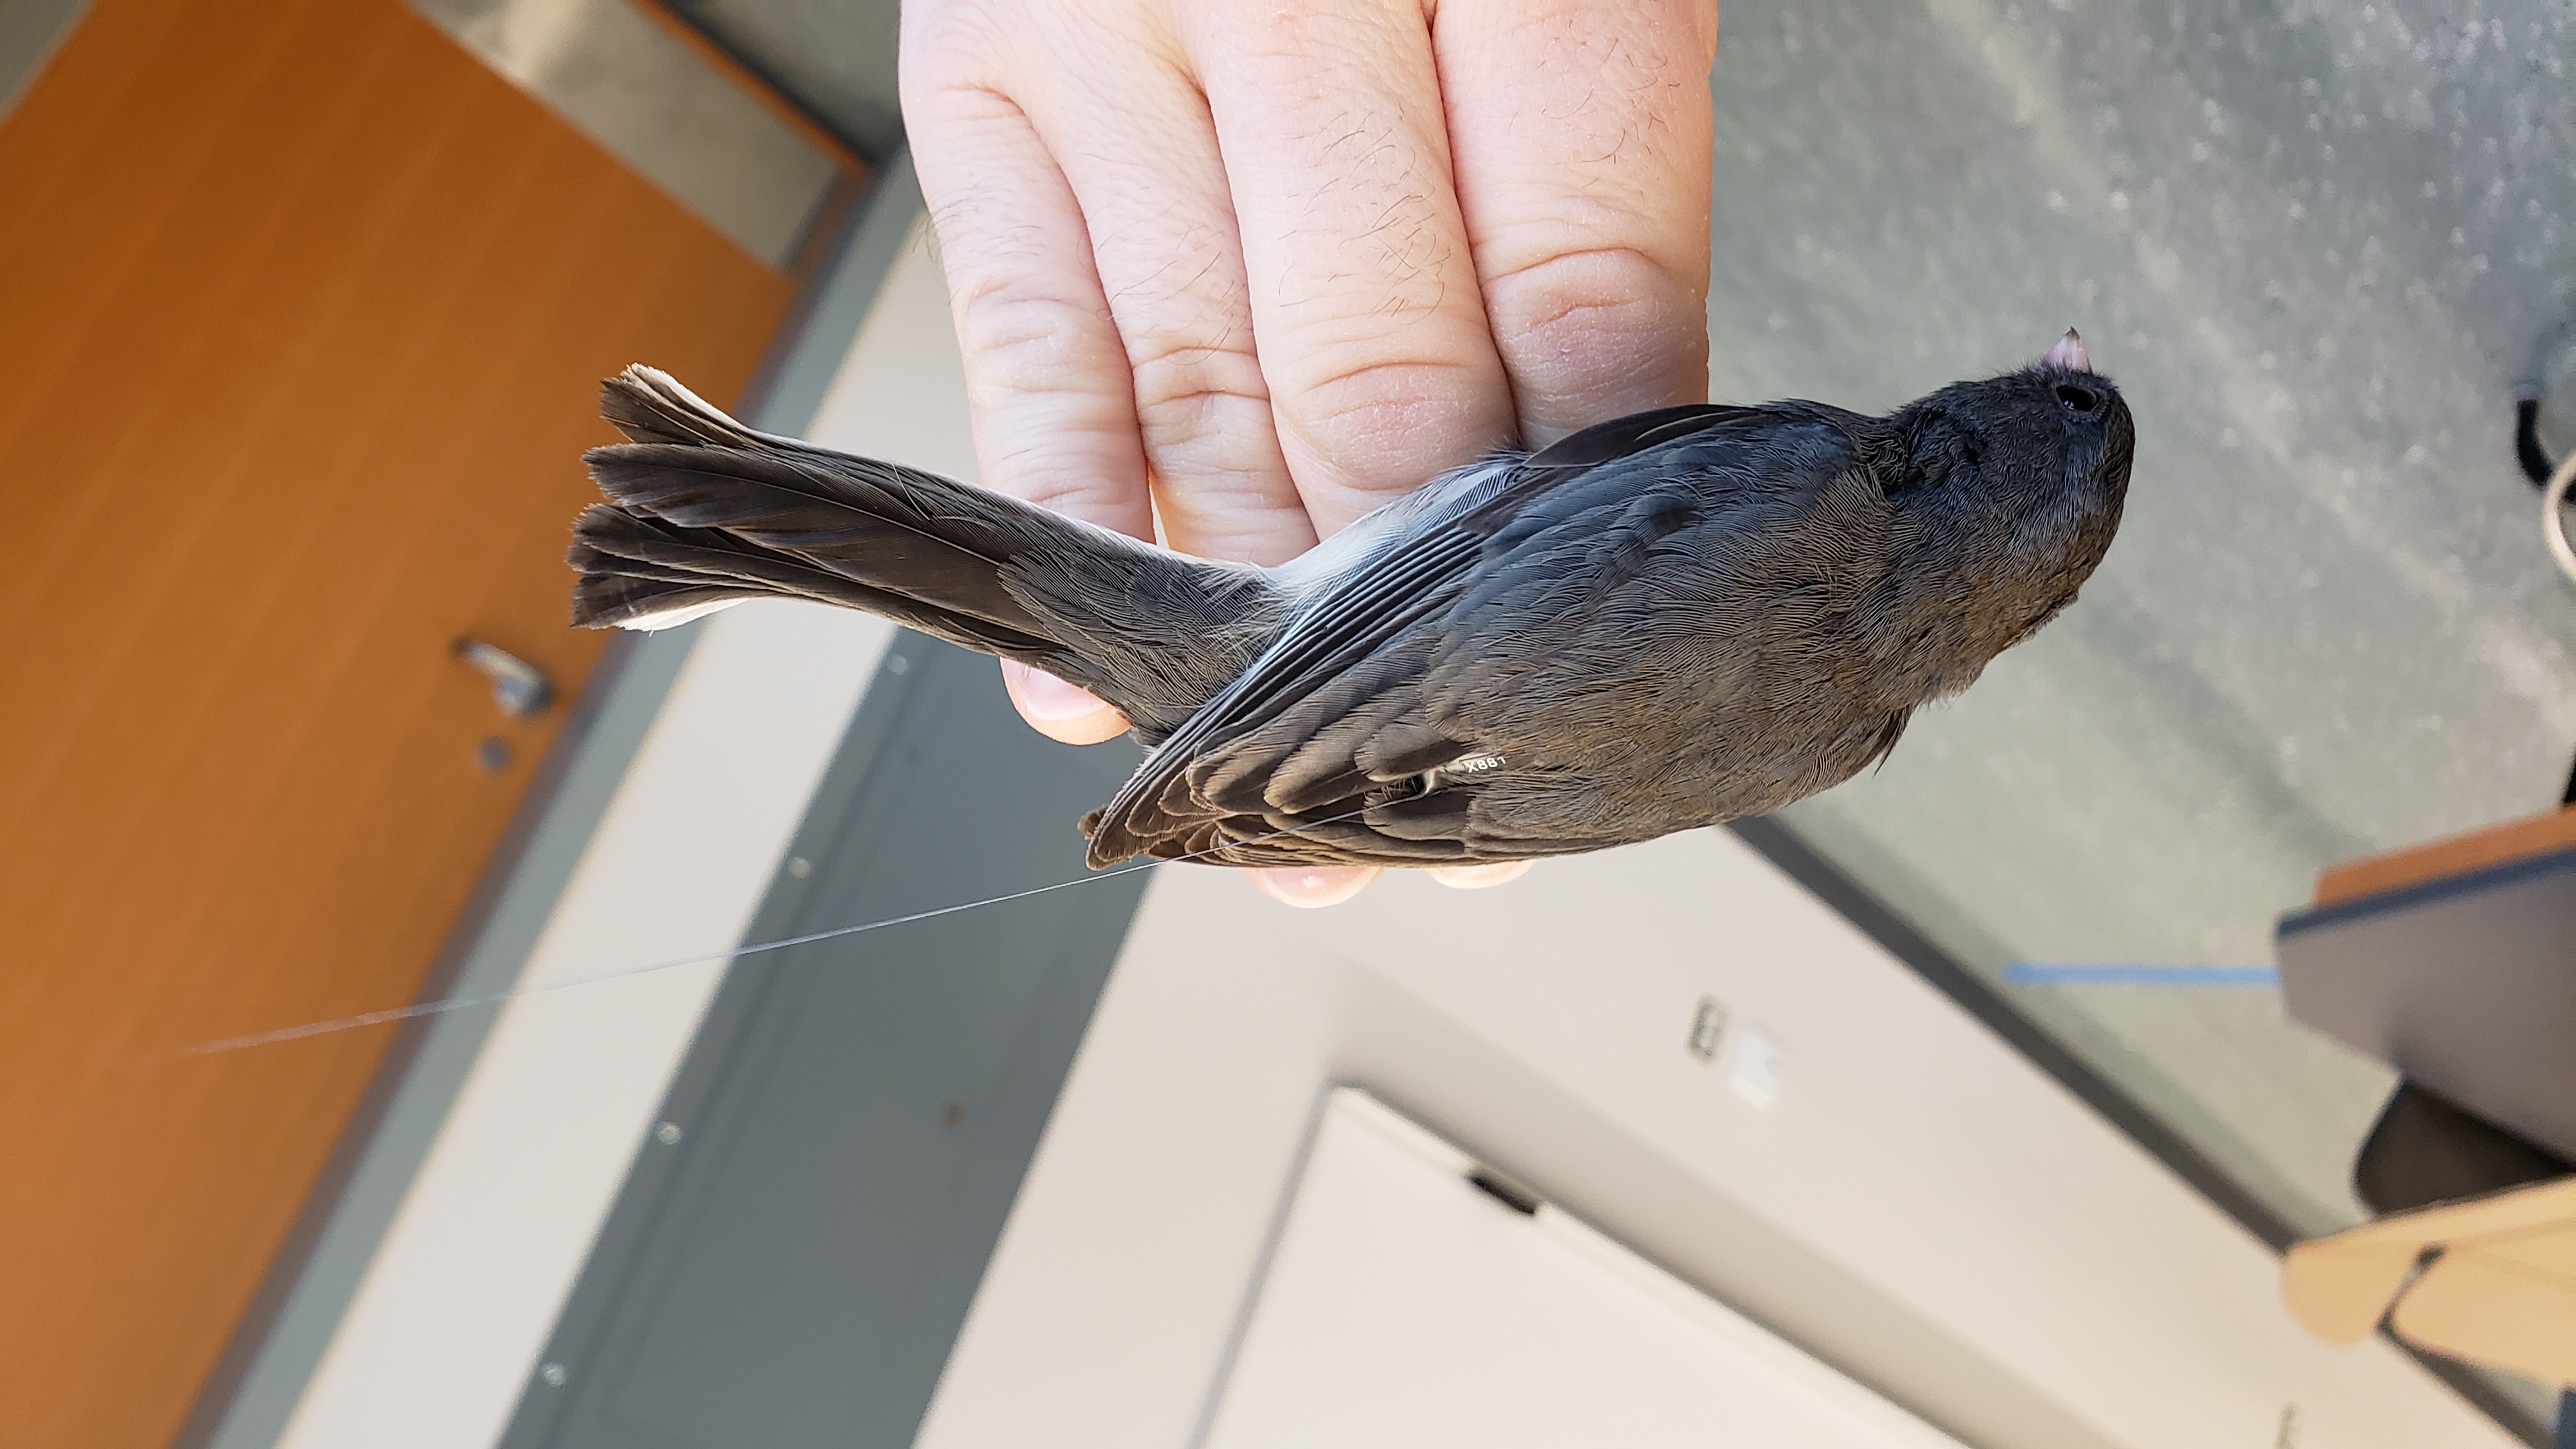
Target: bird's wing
pixel 1336 731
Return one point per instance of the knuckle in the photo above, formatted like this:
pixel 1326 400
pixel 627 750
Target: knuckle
pixel 1184 390
pixel 1049 429
pixel 1025 337
pixel 1075 497
pixel 1563 284
pixel 1076 467
pixel 947 52
pixel 1393 423
pixel 1593 321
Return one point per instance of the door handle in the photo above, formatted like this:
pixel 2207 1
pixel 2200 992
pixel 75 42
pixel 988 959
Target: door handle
pixel 521 689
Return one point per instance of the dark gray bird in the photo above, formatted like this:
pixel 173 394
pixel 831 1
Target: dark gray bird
pixel 1665 621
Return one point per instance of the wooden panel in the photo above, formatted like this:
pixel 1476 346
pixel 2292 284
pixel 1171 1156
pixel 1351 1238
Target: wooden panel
pixel 2502 1292
pixel 305 315
pixel 2453 855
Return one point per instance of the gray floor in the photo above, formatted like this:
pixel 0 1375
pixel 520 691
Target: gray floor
pixel 2316 245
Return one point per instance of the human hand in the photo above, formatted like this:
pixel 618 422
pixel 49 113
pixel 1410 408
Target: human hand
pixel 1249 271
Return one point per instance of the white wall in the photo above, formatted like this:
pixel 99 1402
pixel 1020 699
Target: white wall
pixel 1918 1206
pixel 1403 1307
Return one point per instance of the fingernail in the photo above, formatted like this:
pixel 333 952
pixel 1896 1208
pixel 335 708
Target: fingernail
pixel 1313 887
pixel 1043 696
pixel 1478 877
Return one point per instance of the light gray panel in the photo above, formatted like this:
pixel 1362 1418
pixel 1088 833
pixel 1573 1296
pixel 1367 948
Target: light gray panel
pixel 795 1248
pixel 2467 986
pixel 656 105
pixel 30 32
pixel 836 57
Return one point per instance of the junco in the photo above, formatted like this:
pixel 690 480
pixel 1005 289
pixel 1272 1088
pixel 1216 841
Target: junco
pixel 1665 621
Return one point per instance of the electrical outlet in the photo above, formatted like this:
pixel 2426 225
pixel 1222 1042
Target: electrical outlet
pixel 1708 1023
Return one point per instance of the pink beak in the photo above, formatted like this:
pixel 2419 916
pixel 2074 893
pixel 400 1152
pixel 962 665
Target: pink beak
pixel 2069 352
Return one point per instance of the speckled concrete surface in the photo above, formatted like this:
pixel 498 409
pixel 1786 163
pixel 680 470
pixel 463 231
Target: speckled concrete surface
pixel 2316 245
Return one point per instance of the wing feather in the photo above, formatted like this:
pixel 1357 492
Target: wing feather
pixel 1336 731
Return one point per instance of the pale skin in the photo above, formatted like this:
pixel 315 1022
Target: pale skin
pixel 1250 270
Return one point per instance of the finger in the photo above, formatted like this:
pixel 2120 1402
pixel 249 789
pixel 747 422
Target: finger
pixel 1046 378
pixel 1479 877
pixel 1313 887
pixel 1363 291
pixel 1058 710
pixel 1134 137
pixel 1582 134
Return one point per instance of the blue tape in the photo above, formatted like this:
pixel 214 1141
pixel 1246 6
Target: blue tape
pixel 2025 973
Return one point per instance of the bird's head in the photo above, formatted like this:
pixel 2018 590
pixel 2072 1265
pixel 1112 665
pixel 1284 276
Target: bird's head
pixel 2013 487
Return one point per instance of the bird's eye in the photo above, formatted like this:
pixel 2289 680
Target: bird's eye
pixel 2078 399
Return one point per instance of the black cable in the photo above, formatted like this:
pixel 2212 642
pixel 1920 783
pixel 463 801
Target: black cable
pixel 2526 442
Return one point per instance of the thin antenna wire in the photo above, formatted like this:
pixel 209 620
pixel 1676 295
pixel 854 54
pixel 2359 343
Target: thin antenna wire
pixel 495 998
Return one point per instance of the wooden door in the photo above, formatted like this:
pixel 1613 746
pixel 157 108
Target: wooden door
pixel 302 314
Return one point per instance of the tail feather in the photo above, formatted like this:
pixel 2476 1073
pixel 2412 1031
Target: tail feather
pixel 854 527
pixel 637 571
pixel 630 593
pixel 703 512
pixel 648 405
pixel 611 599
